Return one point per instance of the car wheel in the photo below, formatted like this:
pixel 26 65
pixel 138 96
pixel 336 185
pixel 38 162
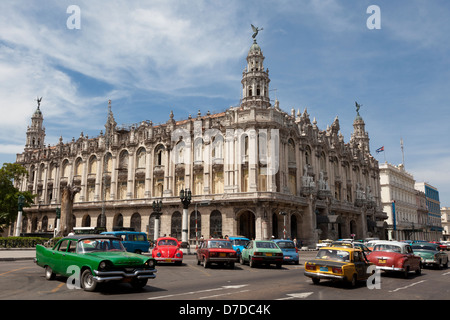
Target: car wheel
pixel 241 260
pixel 354 281
pixel 251 263
pixel 446 265
pixel 205 263
pixel 49 274
pixel 231 265
pixel 406 273
pixel 138 283
pixel 315 280
pixel 278 265
pixel 87 281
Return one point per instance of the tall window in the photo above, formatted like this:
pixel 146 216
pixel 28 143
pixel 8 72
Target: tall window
pixel 215 224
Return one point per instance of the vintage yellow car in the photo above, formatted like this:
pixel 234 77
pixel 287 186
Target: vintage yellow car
pixel 340 264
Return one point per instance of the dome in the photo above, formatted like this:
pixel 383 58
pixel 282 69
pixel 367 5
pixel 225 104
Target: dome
pixel 255 47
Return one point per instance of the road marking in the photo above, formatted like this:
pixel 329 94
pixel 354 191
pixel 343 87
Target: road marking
pixel 199 291
pixel 199 269
pixel 445 274
pixel 301 295
pixel 58 287
pixel 1 274
pixel 223 294
pixel 408 286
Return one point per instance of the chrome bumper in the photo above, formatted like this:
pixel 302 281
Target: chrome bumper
pixel 102 276
pixel 320 275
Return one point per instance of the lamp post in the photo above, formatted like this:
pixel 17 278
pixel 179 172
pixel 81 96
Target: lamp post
pixel 58 222
pixel 284 223
pixel 157 205
pixel 185 197
pixel 20 203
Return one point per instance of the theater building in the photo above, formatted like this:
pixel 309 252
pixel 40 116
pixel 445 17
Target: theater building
pixel 253 170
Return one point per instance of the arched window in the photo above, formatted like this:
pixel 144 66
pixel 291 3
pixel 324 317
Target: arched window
pixel 78 167
pixel 118 220
pixel 215 224
pixel 86 222
pixel 44 223
pixel 136 221
pixel 92 165
pixel 308 155
pixel 140 158
pixel 175 225
pixel 159 150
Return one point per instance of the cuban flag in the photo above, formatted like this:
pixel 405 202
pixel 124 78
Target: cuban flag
pixel 380 149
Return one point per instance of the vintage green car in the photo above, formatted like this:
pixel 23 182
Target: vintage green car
pixel 430 254
pixel 93 259
pixel 262 252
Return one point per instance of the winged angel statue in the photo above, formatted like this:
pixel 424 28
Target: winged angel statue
pixel 255 30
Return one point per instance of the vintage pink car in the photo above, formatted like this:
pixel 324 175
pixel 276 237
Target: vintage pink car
pixel 167 249
pixel 395 256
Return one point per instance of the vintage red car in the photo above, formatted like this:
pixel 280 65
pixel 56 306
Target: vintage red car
pixel 218 251
pixel 167 249
pixel 395 256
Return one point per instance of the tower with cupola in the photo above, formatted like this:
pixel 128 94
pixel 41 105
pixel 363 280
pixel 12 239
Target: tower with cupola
pixel 36 132
pixel 255 80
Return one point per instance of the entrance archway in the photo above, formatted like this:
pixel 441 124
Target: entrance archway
pixel 246 224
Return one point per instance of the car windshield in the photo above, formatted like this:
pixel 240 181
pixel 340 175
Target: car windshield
pixel 342 244
pixel 240 242
pixel 425 247
pixel 266 245
pixel 387 247
pixel 219 244
pixel 333 254
pixel 96 245
pixel 286 245
pixel 167 242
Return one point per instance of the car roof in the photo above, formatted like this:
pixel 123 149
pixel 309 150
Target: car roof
pixel 395 243
pixel 90 236
pixel 114 232
pixel 167 238
pixel 341 248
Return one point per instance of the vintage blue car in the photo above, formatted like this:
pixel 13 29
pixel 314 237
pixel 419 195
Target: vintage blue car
pixel 290 252
pixel 238 243
pixel 133 241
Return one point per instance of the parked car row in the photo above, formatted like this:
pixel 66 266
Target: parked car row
pixel 351 261
pixel 117 256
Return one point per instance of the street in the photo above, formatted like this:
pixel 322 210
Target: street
pixel 23 280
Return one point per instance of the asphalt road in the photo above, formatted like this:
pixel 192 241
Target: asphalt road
pixel 23 280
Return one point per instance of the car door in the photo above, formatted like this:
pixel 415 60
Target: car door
pixel 360 265
pixel 59 255
pixel 69 259
pixel 247 251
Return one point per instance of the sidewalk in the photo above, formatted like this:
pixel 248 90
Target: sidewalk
pixel 7 254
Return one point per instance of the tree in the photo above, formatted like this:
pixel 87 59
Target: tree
pixel 9 194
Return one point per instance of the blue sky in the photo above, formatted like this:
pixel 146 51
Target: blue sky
pixel 151 57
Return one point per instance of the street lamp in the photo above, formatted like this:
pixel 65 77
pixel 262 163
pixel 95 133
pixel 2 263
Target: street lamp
pixel 185 197
pixel 20 203
pixel 284 223
pixel 157 205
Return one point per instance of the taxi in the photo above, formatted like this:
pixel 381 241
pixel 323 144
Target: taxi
pixel 344 264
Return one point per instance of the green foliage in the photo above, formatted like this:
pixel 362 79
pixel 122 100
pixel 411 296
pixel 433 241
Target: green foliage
pixel 9 194
pixel 21 242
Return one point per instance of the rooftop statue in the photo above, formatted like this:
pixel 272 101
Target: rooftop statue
pixel 255 30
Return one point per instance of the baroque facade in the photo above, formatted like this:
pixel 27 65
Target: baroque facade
pixel 253 170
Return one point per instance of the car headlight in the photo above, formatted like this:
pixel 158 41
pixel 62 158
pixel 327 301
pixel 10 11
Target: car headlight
pixel 103 265
pixel 150 263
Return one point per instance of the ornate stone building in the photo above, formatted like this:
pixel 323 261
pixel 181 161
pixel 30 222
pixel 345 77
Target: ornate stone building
pixel 253 170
